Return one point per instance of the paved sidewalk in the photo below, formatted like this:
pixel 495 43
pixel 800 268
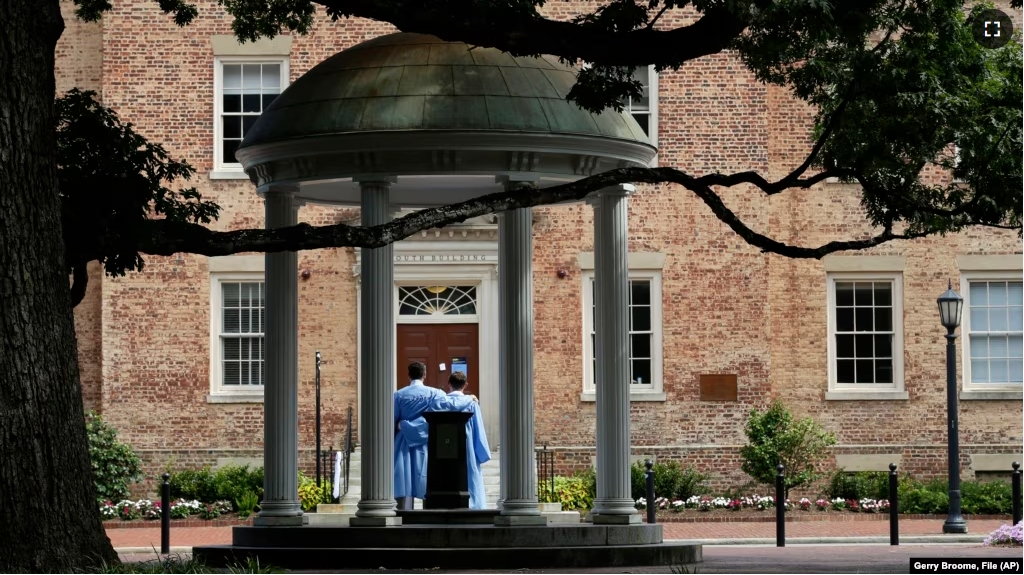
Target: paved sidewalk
pixel 711 533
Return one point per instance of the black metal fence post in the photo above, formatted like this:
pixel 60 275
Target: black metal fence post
pixel 1015 490
pixel 894 506
pixel 165 515
pixel 652 506
pixel 318 469
pixel 780 507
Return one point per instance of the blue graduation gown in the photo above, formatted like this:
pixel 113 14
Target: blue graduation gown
pixel 410 448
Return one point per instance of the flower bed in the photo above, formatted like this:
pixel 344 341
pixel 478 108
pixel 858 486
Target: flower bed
pixel 1007 536
pixel 145 512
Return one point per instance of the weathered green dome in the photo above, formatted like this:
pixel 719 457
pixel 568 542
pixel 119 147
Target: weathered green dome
pixel 419 82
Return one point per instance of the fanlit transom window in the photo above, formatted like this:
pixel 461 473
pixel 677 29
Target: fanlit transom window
pixel 437 300
pixel 864 332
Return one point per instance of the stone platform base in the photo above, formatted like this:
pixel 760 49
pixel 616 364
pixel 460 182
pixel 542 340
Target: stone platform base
pixel 451 547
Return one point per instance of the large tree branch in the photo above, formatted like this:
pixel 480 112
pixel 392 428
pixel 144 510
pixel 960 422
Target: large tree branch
pixel 164 237
pixel 526 33
pixel 80 281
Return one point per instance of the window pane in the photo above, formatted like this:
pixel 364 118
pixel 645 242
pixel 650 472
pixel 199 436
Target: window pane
pixel 883 293
pixel 251 102
pixel 864 318
pixel 640 345
pixel 1015 371
pixel 1015 293
pixel 844 319
pixel 844 293
pixel 865 371
pixel 883 319
pixel 883 346
pixel 1016 323
pixel 979 293
pixel 232 76
pixel 271 75
pixel 230 294
pixel 640 292
pixel 263 319
pixel 243 373
pixel 268 99
pixel 997 346
pixel 979 319
pixel 231 346
pixel 232 103
pixel 998 370
pixel 640 318
pixel 232 126
pixel 845 371
pixel 862 294
pixel 229 151
pixel 883 371
pixel 979 346
pixel 641 371
pixel 248 122
pixel 232 321
pixel 996 293
pixel 255 373
pixel 979 370
pixel 997 318
pixel 844 346
pixel 231 373
pixel 244 348
pixel 865 346
pixel 644 120
pixel 251 77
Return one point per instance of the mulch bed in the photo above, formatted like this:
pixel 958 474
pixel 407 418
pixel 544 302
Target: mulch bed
pixel 175 523
pixel 767 516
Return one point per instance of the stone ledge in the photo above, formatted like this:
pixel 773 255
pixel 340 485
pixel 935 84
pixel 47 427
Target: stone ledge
pixel 1015 395
pixel 234 398
pixel 591 397
pixel 867 396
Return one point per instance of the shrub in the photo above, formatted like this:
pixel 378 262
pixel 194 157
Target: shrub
pixel 310 495
pixel 228 483
pixel 989 498
pixel 574 493
pixel 671 481
pixel 195 484
pixel 128 510
pixel 114 464
pixel 774 436
pixel 209 511
pixel 246 504
pixel 859 485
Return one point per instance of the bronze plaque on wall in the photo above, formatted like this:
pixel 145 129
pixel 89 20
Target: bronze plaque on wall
pixel 720 387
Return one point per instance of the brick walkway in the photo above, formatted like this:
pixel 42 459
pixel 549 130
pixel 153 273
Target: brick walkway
pixel 190 536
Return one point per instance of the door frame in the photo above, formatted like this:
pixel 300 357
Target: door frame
pixel 482 273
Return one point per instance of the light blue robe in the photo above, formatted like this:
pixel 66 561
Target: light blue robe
pixel 478 451
pixel 411 456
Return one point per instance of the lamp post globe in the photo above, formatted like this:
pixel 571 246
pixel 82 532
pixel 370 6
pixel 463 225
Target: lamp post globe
pixel 951 307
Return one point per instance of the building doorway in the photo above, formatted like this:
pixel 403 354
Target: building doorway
pixel 444 348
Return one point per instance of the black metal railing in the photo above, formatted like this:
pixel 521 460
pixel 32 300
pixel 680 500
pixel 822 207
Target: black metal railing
pixel 326 461
pixel 349 448
pixel 545 475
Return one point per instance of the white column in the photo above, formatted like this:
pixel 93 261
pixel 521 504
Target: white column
pixel 614 502
pixel 377 365
pixel 280 505
pixel 515 377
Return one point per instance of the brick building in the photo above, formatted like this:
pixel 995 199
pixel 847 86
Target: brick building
pixel 169 357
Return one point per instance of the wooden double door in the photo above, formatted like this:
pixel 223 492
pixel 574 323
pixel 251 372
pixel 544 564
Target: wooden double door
pixel 443 348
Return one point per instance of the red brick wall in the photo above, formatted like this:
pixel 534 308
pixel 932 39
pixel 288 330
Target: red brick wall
pixel 727 308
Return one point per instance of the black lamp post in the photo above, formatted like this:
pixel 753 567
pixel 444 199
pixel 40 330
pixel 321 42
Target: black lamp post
pixel 951 307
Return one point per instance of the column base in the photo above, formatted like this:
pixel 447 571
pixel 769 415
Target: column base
pixel 955 527
pixel 392 521
pixel 293 521
pixel 520 520
pixel 633 519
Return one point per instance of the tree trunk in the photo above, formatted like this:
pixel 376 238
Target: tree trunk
pixel 51 522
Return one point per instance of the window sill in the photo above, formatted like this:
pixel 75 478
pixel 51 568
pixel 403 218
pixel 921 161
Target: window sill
pixel 992 395
pixel 234 398
pixel 228 175
pixel 587 396
pixel 867 396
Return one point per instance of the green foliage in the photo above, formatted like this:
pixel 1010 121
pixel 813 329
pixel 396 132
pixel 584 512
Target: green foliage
pixel 181 564
pixel 95 151
pixel 976 498
pixel 859 485
pixel 310 495
pixel 115 465
pixel 774 436
pixel 671 481
pixel 229 483
pixel 574 493
pixel 246 504
pixel 989 498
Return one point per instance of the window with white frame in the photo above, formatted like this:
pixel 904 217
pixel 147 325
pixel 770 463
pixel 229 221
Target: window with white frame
pixel 645 109
pixel 237 334
pixel 865 345
pixel 992 323
pixel 645 343
pixel 244 87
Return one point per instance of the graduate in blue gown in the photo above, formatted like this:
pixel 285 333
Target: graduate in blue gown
pixel 478 451
pixel 410 442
